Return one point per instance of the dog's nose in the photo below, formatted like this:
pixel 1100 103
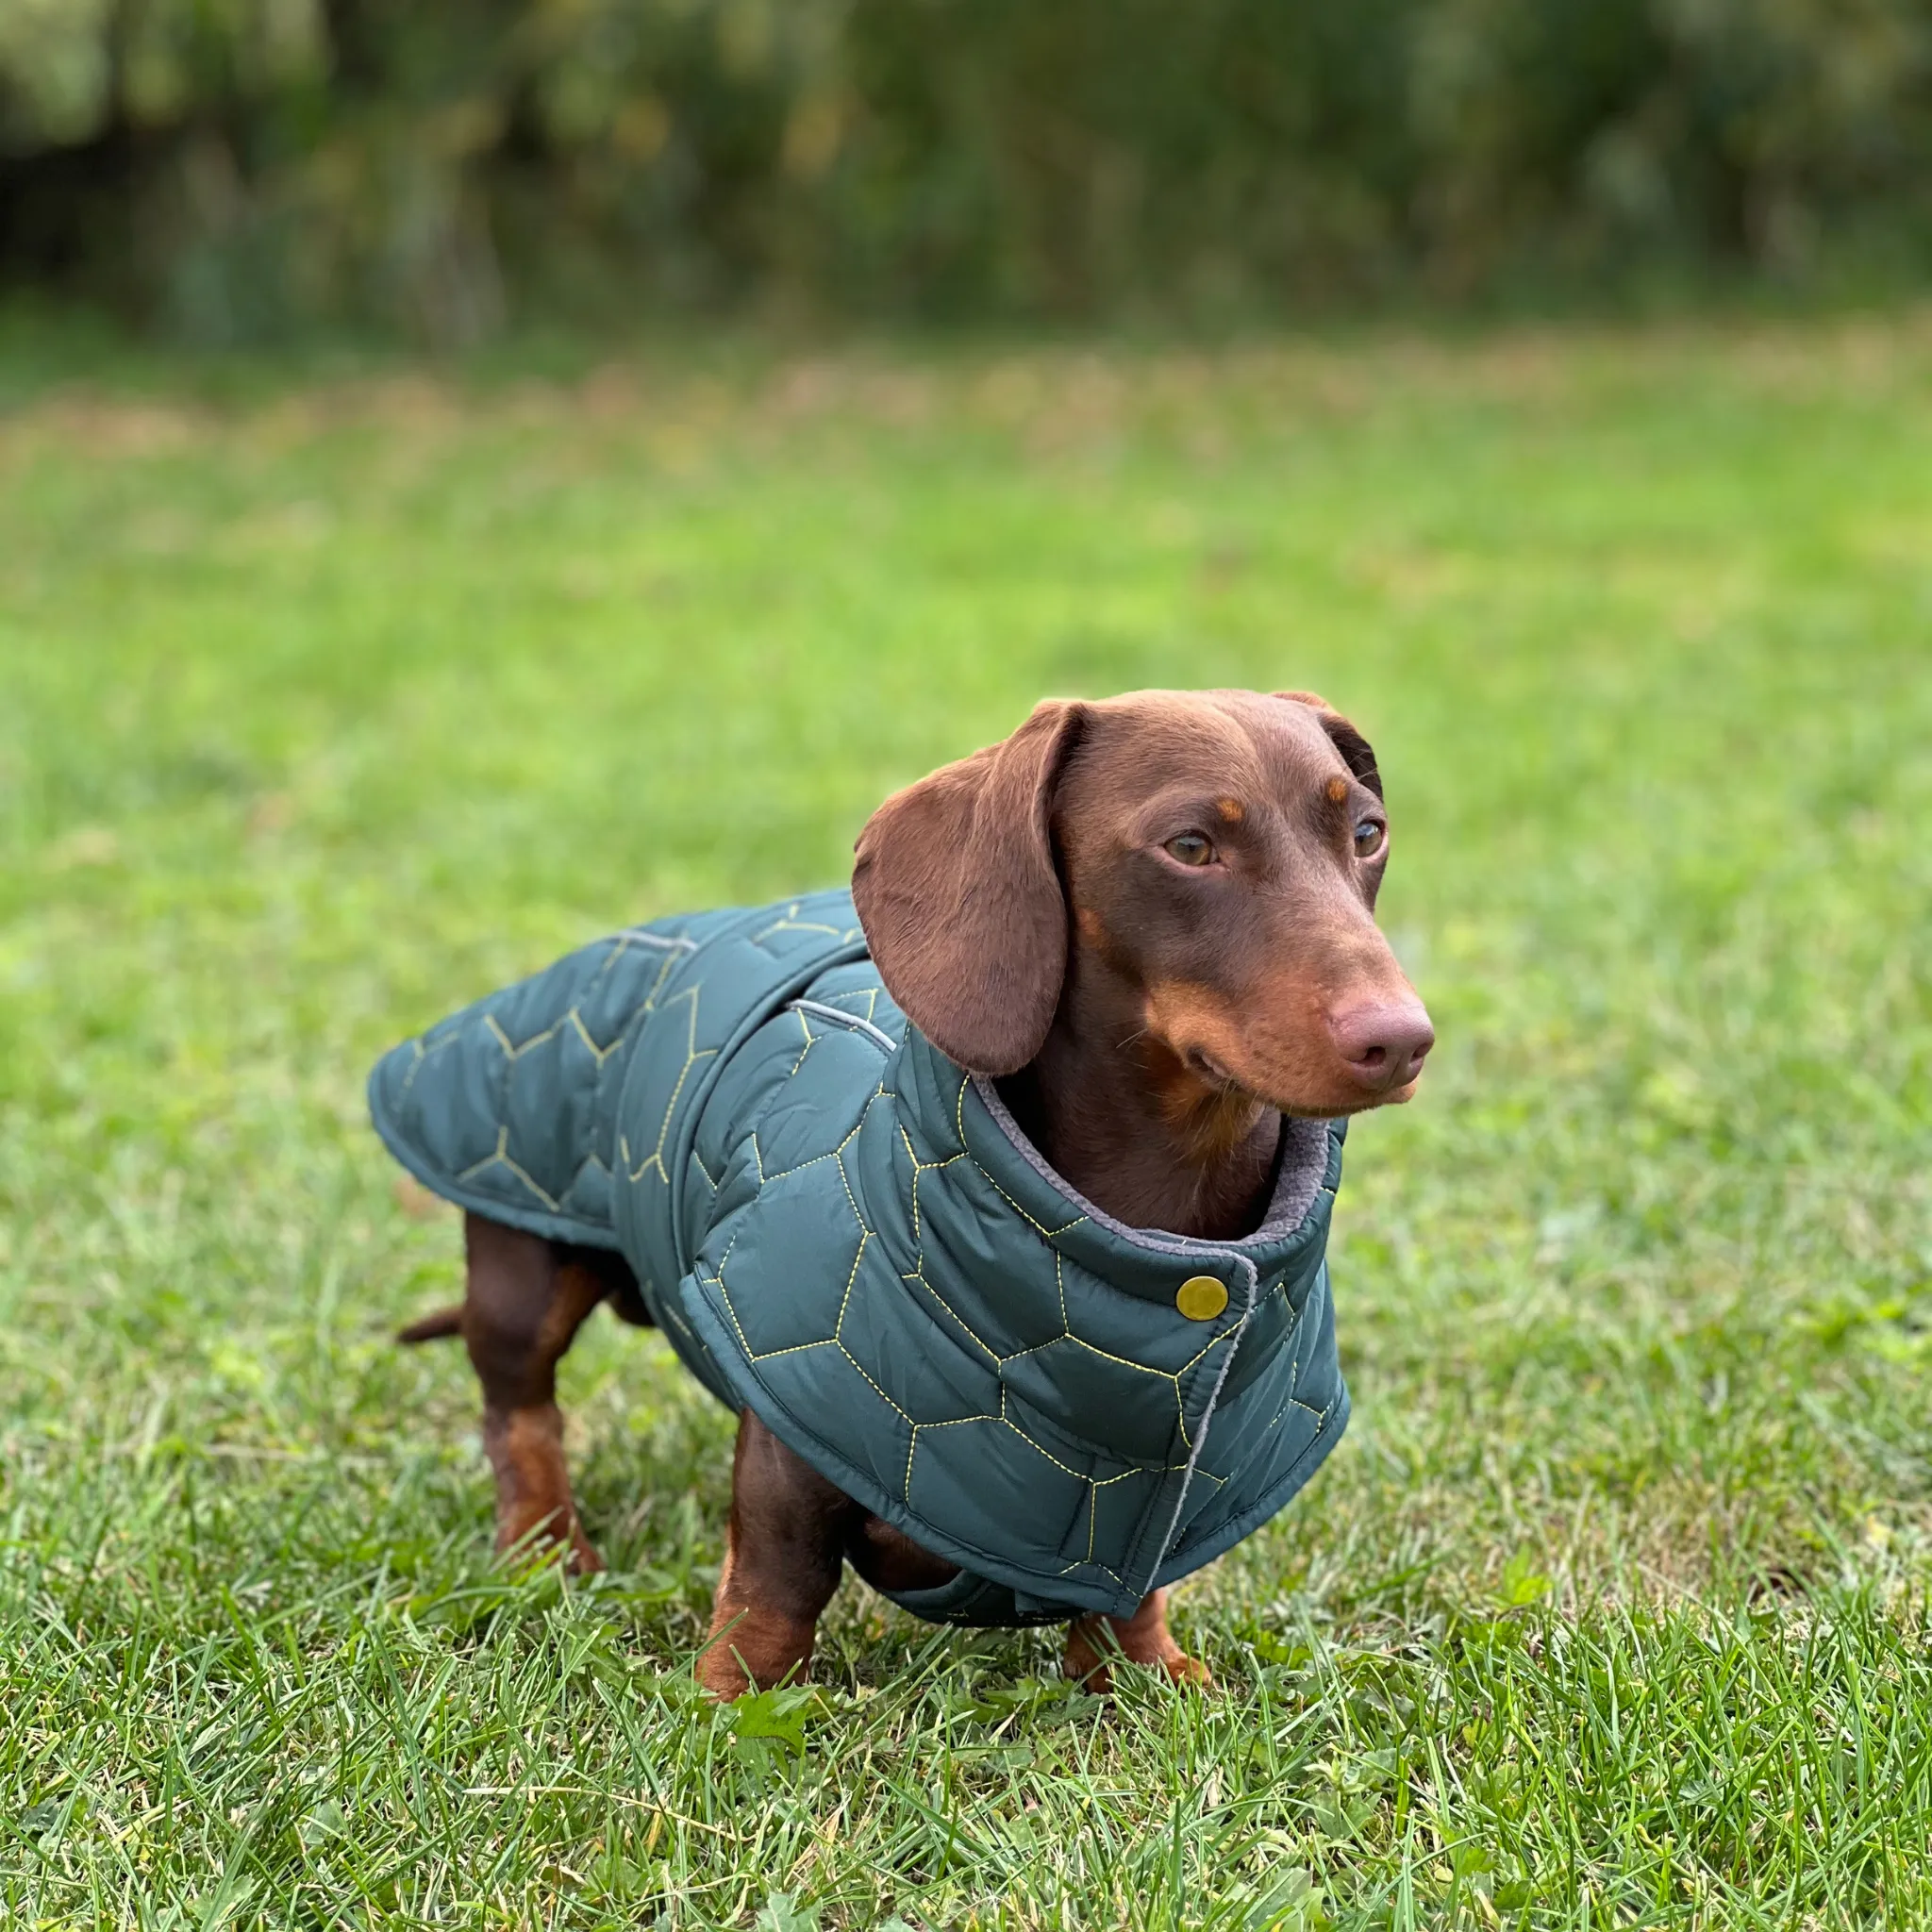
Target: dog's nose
pixel 1384 1042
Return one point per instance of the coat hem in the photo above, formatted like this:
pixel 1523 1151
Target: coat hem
pixel 556 1228
pixel 800 1438
pixel 1239 1528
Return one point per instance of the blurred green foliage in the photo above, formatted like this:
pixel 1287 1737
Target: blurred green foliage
pixel 237 167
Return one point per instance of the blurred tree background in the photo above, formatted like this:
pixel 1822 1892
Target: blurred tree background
pixel 235 170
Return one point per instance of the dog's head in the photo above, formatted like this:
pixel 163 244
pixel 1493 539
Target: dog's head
pixel 1206 860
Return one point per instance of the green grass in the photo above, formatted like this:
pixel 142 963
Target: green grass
pixel 326 707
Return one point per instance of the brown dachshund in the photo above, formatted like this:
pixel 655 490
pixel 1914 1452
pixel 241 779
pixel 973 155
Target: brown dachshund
pixel 1179 891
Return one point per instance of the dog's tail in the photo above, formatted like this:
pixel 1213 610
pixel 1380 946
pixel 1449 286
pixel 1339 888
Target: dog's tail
pixel 446 1321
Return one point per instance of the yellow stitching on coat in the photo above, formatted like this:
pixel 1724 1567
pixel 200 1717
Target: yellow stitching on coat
pixel 791 1348
pixel 1016 1209
pixel 602 1053
pixel 960 1321
pixel 1046 1233
pixel 500 1158
pixel 1045 1451
pixel 488 1159
pixel 851 1198
pixel 803 1028
pixel 1124 1361
pixel 547 1199
pixel 790 924
pixel 844 1300
pixel 832 1154
pixel 657 1159
pixel 875 1388
pixel 1214 1341
pixel 422 1052
pixel 665 971
pixel 692 1055
pixel 724 1296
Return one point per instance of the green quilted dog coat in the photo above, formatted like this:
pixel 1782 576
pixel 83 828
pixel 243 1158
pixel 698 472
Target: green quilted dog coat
pixel 837 1227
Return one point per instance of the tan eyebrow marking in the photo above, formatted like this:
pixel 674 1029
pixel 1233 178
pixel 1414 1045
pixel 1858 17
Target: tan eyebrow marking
pixel 1230 808
pixel 1337 790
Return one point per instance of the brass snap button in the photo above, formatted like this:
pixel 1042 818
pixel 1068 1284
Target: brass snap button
pixel 1201 1297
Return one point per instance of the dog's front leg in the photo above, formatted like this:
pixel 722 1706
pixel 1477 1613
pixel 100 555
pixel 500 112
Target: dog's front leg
pixel 1092 1643
pixel 783 1553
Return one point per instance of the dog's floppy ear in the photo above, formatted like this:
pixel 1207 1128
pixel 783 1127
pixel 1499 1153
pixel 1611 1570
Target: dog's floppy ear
pixel 1358 754
pixel 961 904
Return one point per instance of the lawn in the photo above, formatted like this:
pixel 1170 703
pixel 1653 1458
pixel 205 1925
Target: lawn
pixel 329 701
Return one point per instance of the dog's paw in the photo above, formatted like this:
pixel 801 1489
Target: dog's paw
pixel 528 1539
pixel 754 1650
pixel 1093 1677
pixel 1096 1644
pixel 1096 1675
pixel 721 1674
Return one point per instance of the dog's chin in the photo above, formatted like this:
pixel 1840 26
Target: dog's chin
pixel 1367 1103
pixel 1333 1102
pixel 1337 1103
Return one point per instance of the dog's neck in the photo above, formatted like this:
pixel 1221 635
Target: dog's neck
pixel 1117 1114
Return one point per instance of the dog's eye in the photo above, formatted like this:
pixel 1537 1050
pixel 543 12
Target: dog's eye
pixel 1368 838
pixel 1190 848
